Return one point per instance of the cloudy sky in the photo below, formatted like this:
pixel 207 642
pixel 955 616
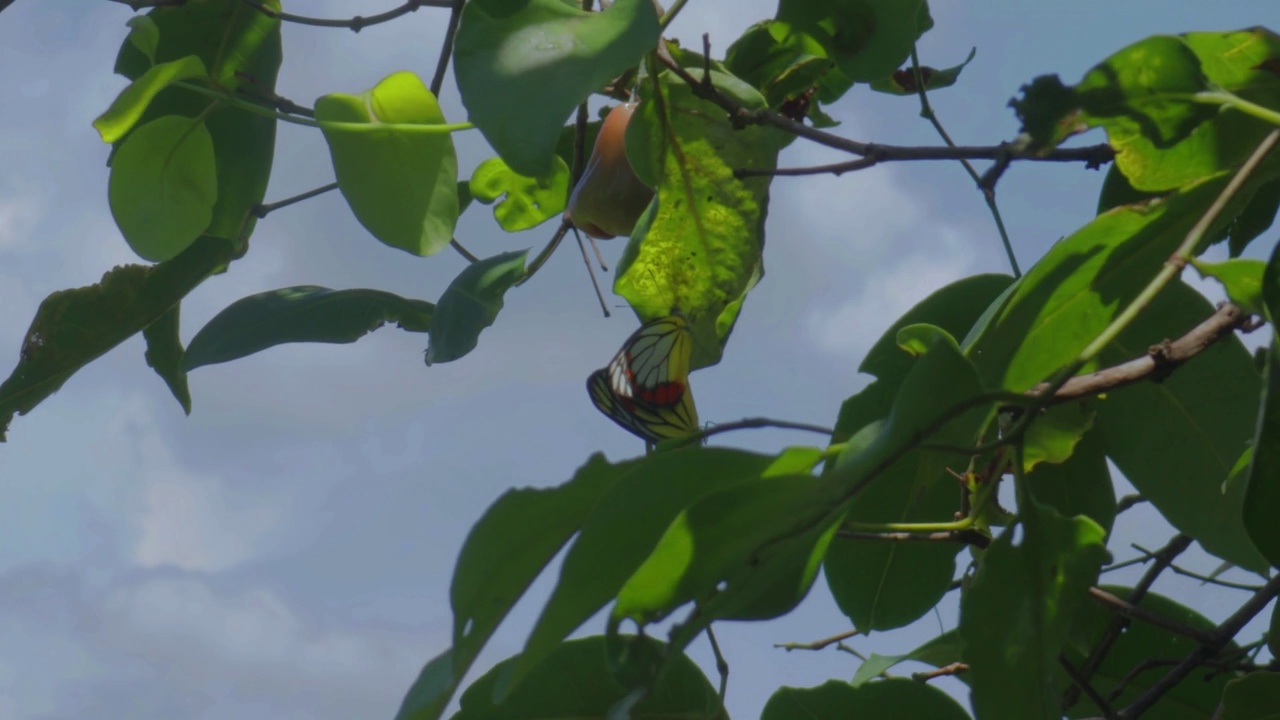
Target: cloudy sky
pixel 284 552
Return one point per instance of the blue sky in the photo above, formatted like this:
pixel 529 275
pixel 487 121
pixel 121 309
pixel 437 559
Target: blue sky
pixel 285 551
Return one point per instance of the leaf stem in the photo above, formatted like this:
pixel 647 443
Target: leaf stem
pixel 1222 97
pixel 670 15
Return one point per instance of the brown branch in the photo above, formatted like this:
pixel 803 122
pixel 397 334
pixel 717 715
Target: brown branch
pixel 355 24
pixel 1219 639
pixel 741 116
pixel 1162 558
pixel 1087 688
pixel 954 668
pixel 873 154
pixel 969 537
pixel 1221 664
pixel 1128 611
pixel 1160 360
pixel 1128 501
pixel 817 644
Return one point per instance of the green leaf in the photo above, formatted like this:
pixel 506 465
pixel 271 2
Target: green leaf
pixel 698 248
pixel 304 313
pixel 1053 435
pixel 835 700
pixel 777 61
pixel 1254 220
pixel 510 545
pixel 1071 295
pixel 1262 496
pixel 745 552
pixel 522 67
pixel 954 308
pixel 1253 697
pixel 164 186
pixel 242 53
pixel 1015 617
pixel 401 183
pixel 471 303
pixel 144 34
pixel 903 82
pixel 574 681
pixel 1079 486
pixel 1241 277
pixel 1195 698
pixel 164 355
pixel 129 105
pixel 1144 95
pixel 868 39
pixel 526 202
pixel 1178 439
pixel 916 339
pixel 1117 191
pixel 623 529
pixel 938 652
pixel 74 327
pixel 431 690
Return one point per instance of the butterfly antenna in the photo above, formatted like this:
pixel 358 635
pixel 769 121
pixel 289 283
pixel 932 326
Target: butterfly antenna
pixel 599 256
pixel 592 272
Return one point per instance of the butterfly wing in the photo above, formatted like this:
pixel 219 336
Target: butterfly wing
pixel 650 423
pixel 653 365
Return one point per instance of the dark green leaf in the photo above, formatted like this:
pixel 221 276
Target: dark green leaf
pixel 1015 617
pixel 1117 191
pixel 74 327
pixel 144 34
pixel 1195 698
pixel 305 313
pixel 164 355
pixel 510 545
pixel 1254 220
pixel 129 105
pixel 523 67
pixel 574 681
pixel 1080 486
pixel 1273 631
pixel 1178 439
pixel 1253 697
pixel 623 529
pixel 431 690
pixel 1262 498
pixel 777 61
pixel 471 303
pixel 163 186
pixel 835 700
pixel 242 53
pixel 1070 296
pixel 938 652
pixel 1053 435
pixel 526 202
pixel 903 82
pixel 868 39
pixel 398 174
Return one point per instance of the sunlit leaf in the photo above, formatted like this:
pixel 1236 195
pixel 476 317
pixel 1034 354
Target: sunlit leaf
pixel 124 112
pixel 400 182
pixel 523 202
pixel 163 186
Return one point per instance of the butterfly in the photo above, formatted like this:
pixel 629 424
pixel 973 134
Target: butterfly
pixel 645 388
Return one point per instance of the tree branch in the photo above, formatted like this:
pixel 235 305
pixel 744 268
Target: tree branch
pixel 817 644
pixel 1160 360
pixel 446 49
pixel 355 24
pixel 969 537
pixel 1219 639
pixel 954 668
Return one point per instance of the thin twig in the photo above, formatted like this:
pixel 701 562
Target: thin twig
pixel 446 49
pixel 873 154
pixel 760 422
pixel 1128 501
pixel 1129 611
pixel 261 210
pixel 987 188
pixel 968 537
pixel 1081 682
pixel 722 665
pixel 954 668
pixel 545 254
pixel 453 243
pixel 1147 555
pixel 595 284
pixel 355 24
pixel 1162 559
pixel 817 644
pixel 1222 636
